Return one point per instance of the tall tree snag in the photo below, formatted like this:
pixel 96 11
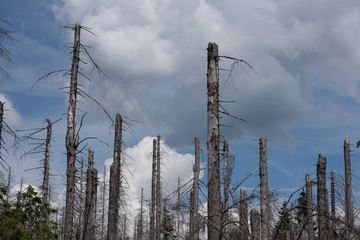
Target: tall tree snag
pixel 243 217
pixel 141 218
pixel 158 191
pixel 264 192
pixel 332 194
pixel 90 200
pixel 226 212
pixel 309 207
pixel 214 192
pixel 45 186
pixel 115 184
pixel 348 192
pixel 70 137
pixel 194 218
pixel 322 200
pixel 153 192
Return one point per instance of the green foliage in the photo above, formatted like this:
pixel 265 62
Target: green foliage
pixel 26 219
pixel 284 222
pixel 168 226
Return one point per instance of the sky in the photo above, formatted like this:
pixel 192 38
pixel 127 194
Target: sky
pixel 303 94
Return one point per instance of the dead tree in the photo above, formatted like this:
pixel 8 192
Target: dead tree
pixel 45 186
pixel 70 138
pixel 226 188
pixel 115 183
pixel 158 191
pixel 322 200
pixel 243 217
pixel 213 144
pixel 309 207
pixel 141 217
pixel 90 200
pixel 332 194
pixel 348 192
pixel 102 233
pixel 5 54
pixel 194 217
pixel 153 192
pixel 8 183
pixel 264 191
pixel 255 224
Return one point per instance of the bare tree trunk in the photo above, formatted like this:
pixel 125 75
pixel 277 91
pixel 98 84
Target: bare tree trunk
pixel 103 207
pixel 332 184
pixel 45 186
pixel 153 192
pixel 194 217
pixel 90 200
pixel 348 191
pixel 115 184
pixel 243 217
pixel 213 146
pixel 322 200
pixel 80 209
pixel 158 191
pixel 226 190
pixel 255 225
pixel 178 208
pixel 70 138
pixel 9 180
pixel 264 192
pixel 140 223
pixel 1 129
pixel 309 205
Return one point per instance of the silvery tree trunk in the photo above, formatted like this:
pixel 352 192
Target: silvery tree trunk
pixel 322 200
pixel 115 183
pixel 194 217
pixel 45 186
pixel 140 221
pixel 332 194
pixel 309 207
pixel 226 212
pixel 348 192
pixel 158 191
pixel 264 192
pixel 153 193
pixel 70 138
pixel 90 200
pixel 243 217
pixel 213 144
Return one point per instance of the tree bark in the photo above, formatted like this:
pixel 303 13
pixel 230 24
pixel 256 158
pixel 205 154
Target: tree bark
pixel 243 217
pixel 214 192
pixel 255 225
pixel 309 205
pixel 348 191
pixel 115 183
pixel 158 191
pixel 194 217
pixel 322 200
pixel 45 186
pixel 70 138
pixel 90 200
pixel 140 223
pixel 264 192
pixel 102 233
pixel 332 184
pixel 153 193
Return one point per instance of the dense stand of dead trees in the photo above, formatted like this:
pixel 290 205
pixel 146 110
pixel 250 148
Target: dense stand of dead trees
pixel 225 219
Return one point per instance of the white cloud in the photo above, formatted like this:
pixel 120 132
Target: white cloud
pixel 11 116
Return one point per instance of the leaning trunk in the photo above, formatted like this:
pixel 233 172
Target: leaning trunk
pixel 45 185
pixel 214 193
pixel 70 138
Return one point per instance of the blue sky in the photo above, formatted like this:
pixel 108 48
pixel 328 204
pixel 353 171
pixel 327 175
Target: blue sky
pixel 304 96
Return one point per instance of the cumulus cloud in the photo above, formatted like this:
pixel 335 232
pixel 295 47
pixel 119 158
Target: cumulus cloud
pixel 11 116
pixel 155 54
